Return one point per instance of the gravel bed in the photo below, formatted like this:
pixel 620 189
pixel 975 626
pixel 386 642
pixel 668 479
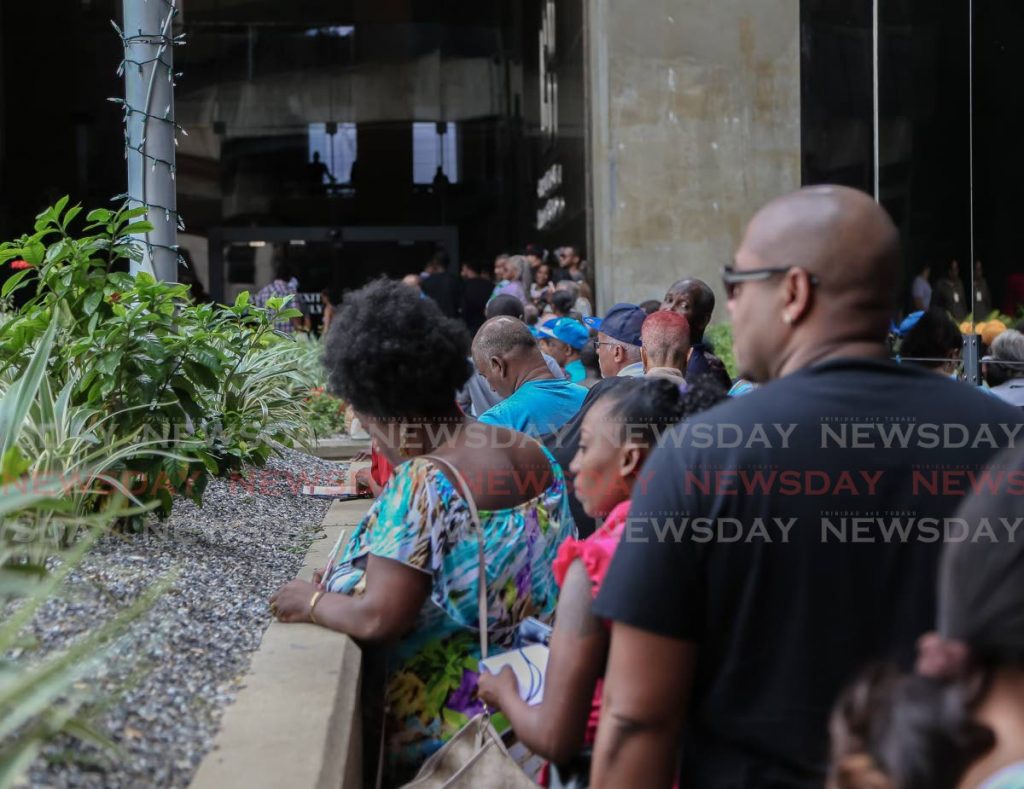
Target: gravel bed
pixel 177 668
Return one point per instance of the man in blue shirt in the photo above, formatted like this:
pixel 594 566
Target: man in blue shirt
pixel 508 357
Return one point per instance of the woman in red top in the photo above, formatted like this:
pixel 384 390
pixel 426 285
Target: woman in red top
pixel 616 437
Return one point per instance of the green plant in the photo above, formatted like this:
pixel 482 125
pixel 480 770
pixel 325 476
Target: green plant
pixel 310 360
pixel 41 699
pixel 68 451
pixel 327 413
pixel 196 385
pixel 262 400
pixel 719 337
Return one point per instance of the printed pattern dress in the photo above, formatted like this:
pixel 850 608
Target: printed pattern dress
pixel 422 521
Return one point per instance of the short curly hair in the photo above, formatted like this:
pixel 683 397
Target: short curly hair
pixel 393 354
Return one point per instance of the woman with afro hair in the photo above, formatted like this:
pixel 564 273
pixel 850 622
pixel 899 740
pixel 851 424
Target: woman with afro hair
pixel 409 573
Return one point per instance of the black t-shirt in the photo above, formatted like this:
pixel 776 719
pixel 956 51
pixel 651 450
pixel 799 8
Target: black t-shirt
pixel 476 292
pixel 948 295
pixel 444 289
pixel 565 442
pixel 703 362
pixel 782 627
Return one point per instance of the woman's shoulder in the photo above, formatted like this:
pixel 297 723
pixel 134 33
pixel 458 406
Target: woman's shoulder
pixel 416 482
pixel 414 471
pixel 505 477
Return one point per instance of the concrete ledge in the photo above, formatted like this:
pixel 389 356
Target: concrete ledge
pixel 297 721
pixel 340 448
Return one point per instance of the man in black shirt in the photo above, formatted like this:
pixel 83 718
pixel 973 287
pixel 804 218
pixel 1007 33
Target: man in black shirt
pixel 783 540
pixel 695 301
pixel 441 286
pixel 476 292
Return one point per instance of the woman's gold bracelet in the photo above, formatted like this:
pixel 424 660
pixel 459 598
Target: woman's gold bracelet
pixel 312 605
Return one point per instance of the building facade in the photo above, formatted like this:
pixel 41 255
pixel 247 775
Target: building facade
pixel 352 138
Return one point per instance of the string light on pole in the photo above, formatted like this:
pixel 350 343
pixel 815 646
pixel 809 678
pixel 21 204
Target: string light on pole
pixel 150 130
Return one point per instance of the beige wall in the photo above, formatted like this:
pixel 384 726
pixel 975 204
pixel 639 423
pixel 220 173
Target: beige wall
pixel 695 122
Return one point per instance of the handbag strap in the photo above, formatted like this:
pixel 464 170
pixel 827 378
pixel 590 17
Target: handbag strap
pixel 467 494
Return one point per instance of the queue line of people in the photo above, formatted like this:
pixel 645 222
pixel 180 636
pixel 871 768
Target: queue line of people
pixel 716 603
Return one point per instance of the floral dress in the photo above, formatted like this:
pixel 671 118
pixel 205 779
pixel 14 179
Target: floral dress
pixel 422 521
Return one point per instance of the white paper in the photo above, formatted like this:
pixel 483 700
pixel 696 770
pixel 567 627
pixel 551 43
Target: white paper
pixel 530 665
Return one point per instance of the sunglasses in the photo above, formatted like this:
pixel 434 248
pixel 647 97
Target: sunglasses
pixel 732 278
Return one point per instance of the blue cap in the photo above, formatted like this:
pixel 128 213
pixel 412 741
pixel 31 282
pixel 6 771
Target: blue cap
pixel 571 332
pixel 622 322
pixel 908 323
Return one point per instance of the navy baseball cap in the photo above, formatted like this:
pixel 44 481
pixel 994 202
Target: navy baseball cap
pixel 622 322
pixel 566 330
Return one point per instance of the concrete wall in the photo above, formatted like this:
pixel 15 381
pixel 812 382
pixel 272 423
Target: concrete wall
pixel 695 122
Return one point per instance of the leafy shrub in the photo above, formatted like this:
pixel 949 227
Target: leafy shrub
pixel 262 398
pixel 327 413
pixel 42 699
pixel 719 337
pixel 204 388
pixel 68 451
pixel 310 360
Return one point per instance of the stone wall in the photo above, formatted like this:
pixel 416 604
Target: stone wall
pixel 695 122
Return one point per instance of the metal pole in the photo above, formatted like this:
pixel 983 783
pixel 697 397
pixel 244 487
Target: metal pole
pixel 970 152
pixel 972 359
pixel 876 110
pixel 150 129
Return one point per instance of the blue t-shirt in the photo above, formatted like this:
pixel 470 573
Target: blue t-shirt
pixel 537 407
pixel 575 371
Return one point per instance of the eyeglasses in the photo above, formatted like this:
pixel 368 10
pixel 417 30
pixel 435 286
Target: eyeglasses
pixel 731 277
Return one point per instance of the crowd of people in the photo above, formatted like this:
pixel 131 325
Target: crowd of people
pixel 750 582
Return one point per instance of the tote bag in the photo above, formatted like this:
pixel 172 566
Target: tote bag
pixel 475 757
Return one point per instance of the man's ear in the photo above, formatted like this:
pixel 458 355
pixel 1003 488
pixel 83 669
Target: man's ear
pixel 498 366
pixel 798 295
pixel 643 358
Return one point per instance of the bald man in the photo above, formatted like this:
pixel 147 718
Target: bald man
pixel 776 546
pixel 477 396
pixel 666 345
pixel 694 300
pixel 535 402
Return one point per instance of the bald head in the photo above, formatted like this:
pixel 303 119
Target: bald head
pixel 666 340
pixel 506 353
pixel 503 336
pixel 839 234
pixel 825 262
pixel 694 300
